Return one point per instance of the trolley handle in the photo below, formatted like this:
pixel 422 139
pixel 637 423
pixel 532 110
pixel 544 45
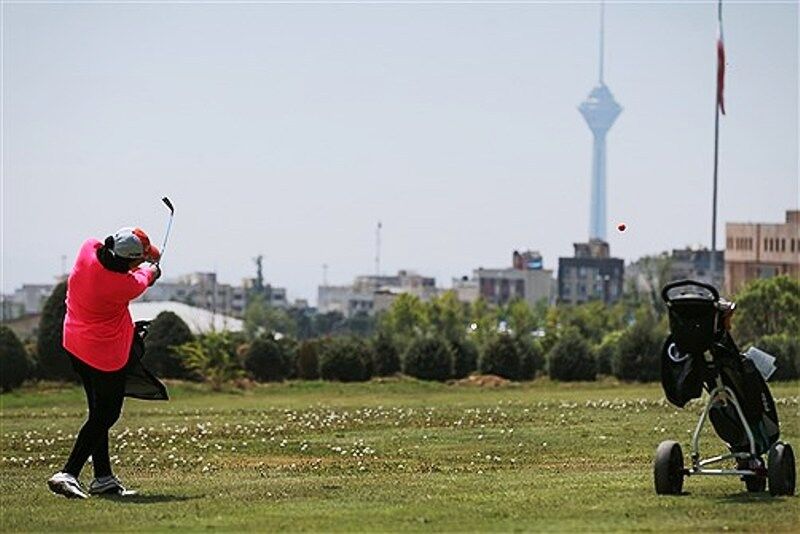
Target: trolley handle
pixel 695 283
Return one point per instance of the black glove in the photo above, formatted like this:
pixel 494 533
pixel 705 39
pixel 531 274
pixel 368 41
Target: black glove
pixel 156 274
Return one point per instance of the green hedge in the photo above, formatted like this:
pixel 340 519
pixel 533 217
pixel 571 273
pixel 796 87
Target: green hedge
pixel 15 367
pixel 571 358
pixel 429 358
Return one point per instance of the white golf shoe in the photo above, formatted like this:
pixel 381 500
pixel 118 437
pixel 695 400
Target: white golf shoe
pixel 109 485
pixel 67 485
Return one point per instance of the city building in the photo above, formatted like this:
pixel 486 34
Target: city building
pixel 467 289
pixel 526 280
pixel 374 293
pixel 203 290
pixel 761 250
pixel 600 110
pixel 679 264
pixel 27 300
pixel 343 299
pixel 592 274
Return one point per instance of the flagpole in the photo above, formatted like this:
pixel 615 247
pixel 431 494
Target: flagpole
pixel 713 265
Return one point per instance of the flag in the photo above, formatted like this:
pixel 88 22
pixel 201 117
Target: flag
pixel 720 63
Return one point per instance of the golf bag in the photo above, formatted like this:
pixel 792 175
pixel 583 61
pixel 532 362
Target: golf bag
pixel 699 352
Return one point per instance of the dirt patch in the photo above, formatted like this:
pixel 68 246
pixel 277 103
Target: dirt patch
pixel 483 381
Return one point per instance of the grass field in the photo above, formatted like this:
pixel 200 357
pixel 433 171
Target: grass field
pixel 391 455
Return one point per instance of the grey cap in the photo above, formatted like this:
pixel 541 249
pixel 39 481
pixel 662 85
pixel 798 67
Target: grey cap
pixel 133 244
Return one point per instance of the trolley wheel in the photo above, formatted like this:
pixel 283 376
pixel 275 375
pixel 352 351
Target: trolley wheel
pixel 755 484
pixel 780 469
pixel 668 468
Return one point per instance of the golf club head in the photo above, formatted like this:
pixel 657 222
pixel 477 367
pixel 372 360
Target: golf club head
pixel 167 201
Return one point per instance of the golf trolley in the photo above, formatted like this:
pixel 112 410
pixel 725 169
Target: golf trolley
pixel 700 354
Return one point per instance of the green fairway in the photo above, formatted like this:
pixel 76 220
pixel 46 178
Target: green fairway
pixel 391 455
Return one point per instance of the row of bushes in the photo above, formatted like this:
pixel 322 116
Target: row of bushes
pixel 173 352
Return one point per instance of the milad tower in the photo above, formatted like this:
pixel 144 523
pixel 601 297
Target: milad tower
pixel 600 111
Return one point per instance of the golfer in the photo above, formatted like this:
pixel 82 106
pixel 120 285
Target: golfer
pixel 105 348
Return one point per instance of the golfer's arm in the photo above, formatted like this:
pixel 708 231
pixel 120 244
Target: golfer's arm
pixel 137 282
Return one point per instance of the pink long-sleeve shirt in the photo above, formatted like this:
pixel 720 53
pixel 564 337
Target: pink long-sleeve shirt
pixel 98 328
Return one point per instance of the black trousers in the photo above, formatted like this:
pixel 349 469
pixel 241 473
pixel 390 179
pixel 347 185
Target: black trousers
pixel 104 394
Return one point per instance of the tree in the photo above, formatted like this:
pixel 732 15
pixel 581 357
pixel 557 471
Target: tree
pixel 405 319
pixel 531 356
pixel 260 317
pixel 329 323
pixel 15 367
pixel 53 360
pixel 213 357
pixel 571 358
pixel 266 359
pixel 483 322
pixel 347 359
pixel 429 357
pixel 166 332
pixel 445 315
pixel 606 351
pixel 521 319
pixel 386 360
pixel 638 352
pixel 765 307
pixel 786 350
pixel 307 361
pixel 656 273
pixel 466 356
pixel 501 357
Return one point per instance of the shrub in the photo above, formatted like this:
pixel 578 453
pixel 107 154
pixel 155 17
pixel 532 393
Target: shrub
pixel 786 350
pixel 767 306
pixel 429 358
pixel 289 346
pixel 15 367
pixel 345 359
pixel 639 350
pixel 166 332
pixel 501 357
pixel 213 357
pixel 307 360
pixel 386 360
pixel 605 352
pixel 531 357
pixel 53 360
pixel 265 359
pixel 571 358
pixel 465 352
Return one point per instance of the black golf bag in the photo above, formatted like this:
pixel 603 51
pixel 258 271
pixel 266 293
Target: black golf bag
pixel 699 351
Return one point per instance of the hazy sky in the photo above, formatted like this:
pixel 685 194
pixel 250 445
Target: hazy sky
pixel 290 130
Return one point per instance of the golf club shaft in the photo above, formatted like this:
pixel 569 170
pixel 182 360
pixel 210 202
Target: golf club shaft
pixel 169 205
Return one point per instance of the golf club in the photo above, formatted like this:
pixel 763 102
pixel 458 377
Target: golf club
pixel 169 205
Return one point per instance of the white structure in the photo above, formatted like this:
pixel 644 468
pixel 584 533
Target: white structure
pixel 197 319
pixel 600 111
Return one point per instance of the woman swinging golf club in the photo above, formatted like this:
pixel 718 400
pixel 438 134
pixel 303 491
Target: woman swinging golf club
pixel 103 341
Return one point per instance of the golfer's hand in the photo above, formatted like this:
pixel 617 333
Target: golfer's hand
pixel 156 273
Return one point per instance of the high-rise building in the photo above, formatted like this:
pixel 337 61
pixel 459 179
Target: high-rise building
pixel 600 111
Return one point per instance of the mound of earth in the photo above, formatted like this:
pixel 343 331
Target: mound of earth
pixel 484 381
